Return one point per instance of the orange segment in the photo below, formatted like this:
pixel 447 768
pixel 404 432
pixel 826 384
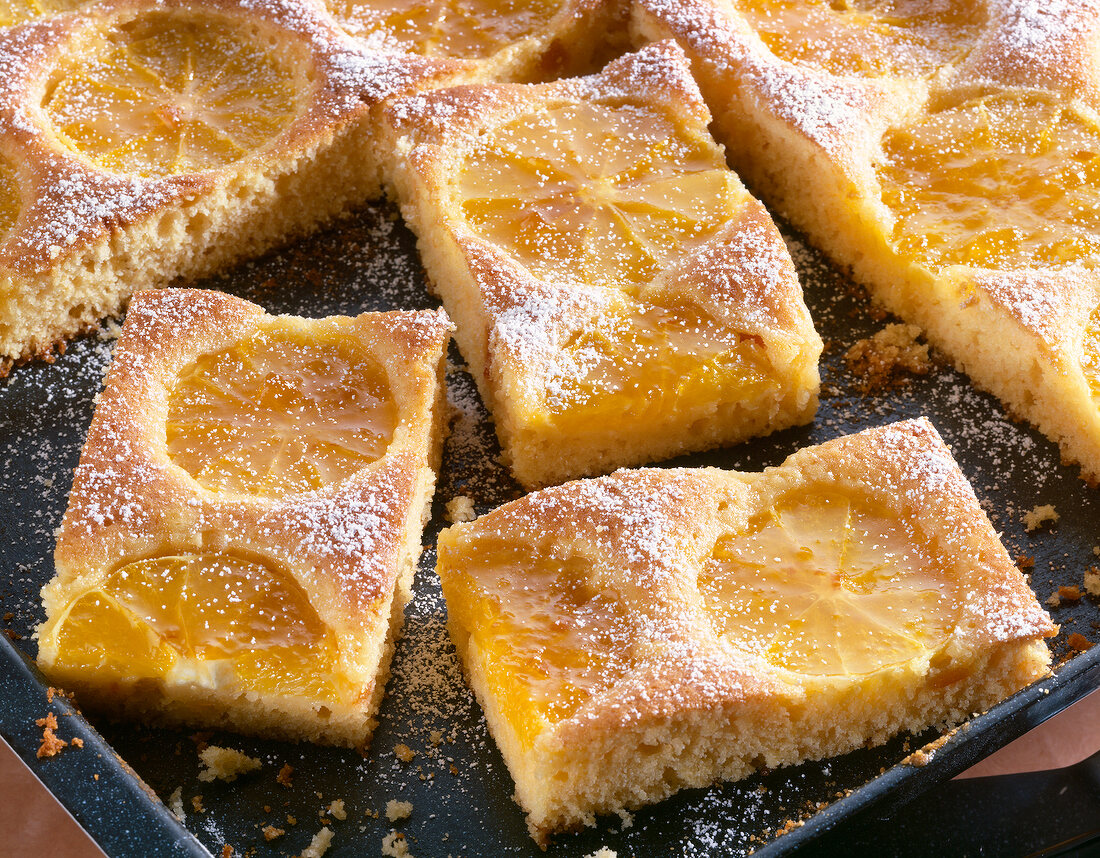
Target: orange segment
pixel 211 619
pixel 866 37
pixel 1005 181
pixel 608 196
pixel 280 412
pixel 651 360
pixel 546 640
pixel 828 585
pixel 467 29
pixel 171 93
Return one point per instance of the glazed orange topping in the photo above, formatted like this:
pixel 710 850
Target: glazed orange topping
pixel 829 585
pixel 282 411
pixel 607 196
pixel 467 29
pixel 866 37
pixel 214 620
pixel 546 639
pixel 610 197
pixel 649 360
pixel 1004 181
pixel 171 93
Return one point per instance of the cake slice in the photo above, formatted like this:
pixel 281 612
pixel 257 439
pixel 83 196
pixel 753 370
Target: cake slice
pixel 245 521
pixel 653 630
pixel 619 295
pixel 948 153
pixel 145 141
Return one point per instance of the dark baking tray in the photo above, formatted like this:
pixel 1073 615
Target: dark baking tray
pixel 459 788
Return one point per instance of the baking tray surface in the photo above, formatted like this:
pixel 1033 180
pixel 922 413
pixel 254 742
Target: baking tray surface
pixel 456 781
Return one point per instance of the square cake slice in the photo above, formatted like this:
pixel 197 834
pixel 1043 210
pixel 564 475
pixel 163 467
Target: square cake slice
pixel 636 634
pixel 620 297
pixel 245 521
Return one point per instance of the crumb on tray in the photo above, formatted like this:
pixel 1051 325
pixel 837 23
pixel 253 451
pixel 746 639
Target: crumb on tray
pixel 398 810
pixel 460 508
pixel 225 764
pixel 1039 516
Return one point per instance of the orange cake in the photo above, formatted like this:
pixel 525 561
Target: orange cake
pixel 948 152
pixel 619 295
pixel 653 630
pixel 245 520
pixel 144 141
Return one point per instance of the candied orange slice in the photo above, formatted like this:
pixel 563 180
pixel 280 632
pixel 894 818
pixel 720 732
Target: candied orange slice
pixel 171 93
pixel 865 37
pixel 215 620
pixel 607 196
pixel 547 640
pixel 280 412
pixel 1005 181
pixel 465 29
pixel 828 585
pixel 647 360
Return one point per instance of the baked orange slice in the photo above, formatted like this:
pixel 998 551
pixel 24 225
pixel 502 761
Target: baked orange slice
pixel 174 92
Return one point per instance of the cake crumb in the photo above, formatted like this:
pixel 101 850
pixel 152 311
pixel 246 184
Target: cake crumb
pixel 883 360
pixel 460 508
pixel 1092 581
pixel 1025 561
pixel 318 846
pixel 603 852
pixel 1054 600
pixel 51 745
pixel 627 818
pixel 272 833
pixel 398 810
pixel 227 851
pixel 337 811
pixel 394 845
pixel 196 804
pixel 1039 516
pixel 175 804
pixel 225 764
pixel 1070 594
pixel 76 742
pixel 1079 642
pixel 403 752
pixel 291 820
pixel 436 736
pixel 284 776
